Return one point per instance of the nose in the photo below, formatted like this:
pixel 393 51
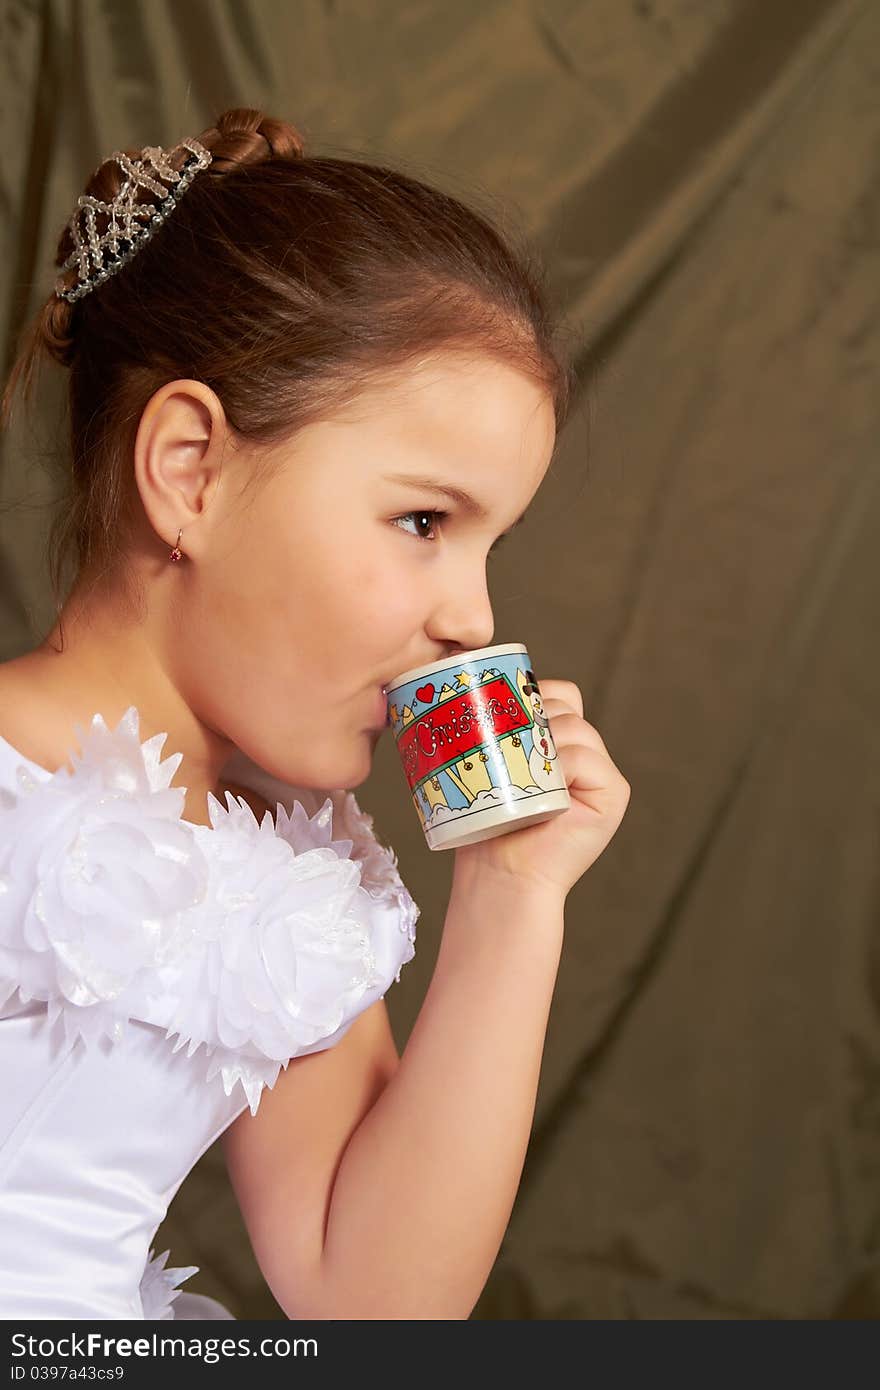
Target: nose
pixel 463 614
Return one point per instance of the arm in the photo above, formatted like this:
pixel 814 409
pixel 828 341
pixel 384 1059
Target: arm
pixel 282 1161
pixel 427 1182
pixel 378 1187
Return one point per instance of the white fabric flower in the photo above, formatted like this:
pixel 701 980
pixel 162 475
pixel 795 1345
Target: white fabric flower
pixel 380 876
pixel 158 1286
pixel 288 949
pixel 98 877
pixel 260 941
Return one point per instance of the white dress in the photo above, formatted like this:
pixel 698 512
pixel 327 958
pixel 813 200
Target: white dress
pixel 155 975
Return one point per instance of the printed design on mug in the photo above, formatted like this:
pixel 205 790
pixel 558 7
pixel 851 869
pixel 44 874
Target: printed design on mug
pixel 475 743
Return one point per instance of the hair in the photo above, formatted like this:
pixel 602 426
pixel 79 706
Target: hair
pixel 287 283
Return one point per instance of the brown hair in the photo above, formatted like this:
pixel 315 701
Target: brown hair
pixel 287 283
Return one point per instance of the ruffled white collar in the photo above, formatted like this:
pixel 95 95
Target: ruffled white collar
pixel 260 940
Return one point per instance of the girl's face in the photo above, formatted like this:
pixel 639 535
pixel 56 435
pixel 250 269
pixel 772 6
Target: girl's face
pixel 342 569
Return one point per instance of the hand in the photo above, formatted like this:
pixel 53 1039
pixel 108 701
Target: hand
pixel 557 852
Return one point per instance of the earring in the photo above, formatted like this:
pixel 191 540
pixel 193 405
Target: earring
pixel 176 552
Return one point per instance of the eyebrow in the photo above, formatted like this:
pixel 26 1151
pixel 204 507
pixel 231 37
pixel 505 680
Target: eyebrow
pixel 455 494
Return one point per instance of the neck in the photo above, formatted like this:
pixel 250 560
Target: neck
pixel 110 661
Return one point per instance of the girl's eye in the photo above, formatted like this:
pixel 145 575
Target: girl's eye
pixel 420 515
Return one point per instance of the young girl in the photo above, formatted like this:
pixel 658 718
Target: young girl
pixel 270 393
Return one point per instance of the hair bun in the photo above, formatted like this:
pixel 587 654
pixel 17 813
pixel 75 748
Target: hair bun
pixel 243 135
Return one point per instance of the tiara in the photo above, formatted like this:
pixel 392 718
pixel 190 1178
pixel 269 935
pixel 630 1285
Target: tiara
pixel 131 224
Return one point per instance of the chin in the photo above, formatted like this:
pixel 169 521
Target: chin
pixel 353 780
pixel 357 770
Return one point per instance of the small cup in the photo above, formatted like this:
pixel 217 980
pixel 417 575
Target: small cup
pixel 475 745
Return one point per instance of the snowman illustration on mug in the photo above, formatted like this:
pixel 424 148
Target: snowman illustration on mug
pixel 543 752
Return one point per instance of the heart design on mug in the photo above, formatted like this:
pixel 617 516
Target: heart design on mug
pixel 544 746
pixel 425 693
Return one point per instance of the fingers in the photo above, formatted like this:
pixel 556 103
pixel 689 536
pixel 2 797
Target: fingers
pixel 589 770
pixel 564 707
pixel 565 691
pixel 569 727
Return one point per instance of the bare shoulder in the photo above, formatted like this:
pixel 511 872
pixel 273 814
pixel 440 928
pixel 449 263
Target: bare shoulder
pixel 282 1162
pixel 18 676
pixel 27 720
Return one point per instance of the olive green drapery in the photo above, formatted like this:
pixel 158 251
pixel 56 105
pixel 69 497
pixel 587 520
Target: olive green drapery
pixel 704 183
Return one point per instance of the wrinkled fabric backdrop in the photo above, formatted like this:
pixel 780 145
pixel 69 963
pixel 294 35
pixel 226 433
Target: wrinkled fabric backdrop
pixel 702 181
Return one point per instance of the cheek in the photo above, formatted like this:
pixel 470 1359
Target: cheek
pixel 383 595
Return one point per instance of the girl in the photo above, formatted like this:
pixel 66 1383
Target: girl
pixel 271 390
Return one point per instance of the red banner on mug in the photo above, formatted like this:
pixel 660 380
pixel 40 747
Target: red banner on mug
pixel 458 726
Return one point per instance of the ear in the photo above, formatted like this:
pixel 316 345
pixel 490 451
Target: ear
pixel 177 457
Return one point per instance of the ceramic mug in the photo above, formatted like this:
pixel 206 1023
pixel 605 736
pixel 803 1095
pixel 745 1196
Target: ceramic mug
pixel 475 745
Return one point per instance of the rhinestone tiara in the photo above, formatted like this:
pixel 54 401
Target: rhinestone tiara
pixel 130 224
